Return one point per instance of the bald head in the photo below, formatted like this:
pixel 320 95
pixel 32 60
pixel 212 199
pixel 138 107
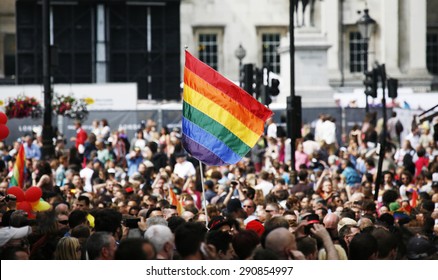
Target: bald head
pixel 280 241
pixel 331 221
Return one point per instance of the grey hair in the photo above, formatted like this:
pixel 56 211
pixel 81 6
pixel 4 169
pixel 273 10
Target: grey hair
pixel 159 235
pixel 156 221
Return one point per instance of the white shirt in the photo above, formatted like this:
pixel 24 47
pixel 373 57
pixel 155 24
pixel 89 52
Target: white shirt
pixel 265 186
pixel 86 175
pixel 184 169
pixel 272 130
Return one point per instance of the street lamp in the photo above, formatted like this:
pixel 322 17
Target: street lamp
pixel 240 53
pixel 366 26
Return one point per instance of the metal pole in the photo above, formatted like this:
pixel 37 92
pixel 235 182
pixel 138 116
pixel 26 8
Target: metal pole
pixel 47 133
pixel 365 68
pixel 292 74
pixel 383 136
pixel 240 73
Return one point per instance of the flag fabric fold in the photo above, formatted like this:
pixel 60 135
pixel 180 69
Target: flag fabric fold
pixel 17 178
pixel 221 122
pixel 174 201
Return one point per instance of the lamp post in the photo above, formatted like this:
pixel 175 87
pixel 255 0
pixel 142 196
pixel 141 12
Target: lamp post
pixel 47 133
pixel 366 26
pixel 240 53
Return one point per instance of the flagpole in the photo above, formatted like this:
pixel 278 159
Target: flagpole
pixel 201 169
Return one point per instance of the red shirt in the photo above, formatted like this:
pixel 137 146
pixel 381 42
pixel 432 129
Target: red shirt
pixel 81 137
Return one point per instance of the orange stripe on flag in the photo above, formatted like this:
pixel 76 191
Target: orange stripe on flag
pixel 175 202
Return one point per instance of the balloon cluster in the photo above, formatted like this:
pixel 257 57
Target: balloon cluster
pixel 30 200
pixel 4 130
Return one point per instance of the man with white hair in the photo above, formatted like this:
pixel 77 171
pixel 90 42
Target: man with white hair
pixel 163 241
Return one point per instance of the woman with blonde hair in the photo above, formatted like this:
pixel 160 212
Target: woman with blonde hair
pixel 68 248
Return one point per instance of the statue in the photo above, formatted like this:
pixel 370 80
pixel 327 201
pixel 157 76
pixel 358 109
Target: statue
pixel 304 4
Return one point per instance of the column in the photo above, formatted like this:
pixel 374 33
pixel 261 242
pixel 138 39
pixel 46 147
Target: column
pixel 417 40
pixel 389 36
pixel 332 9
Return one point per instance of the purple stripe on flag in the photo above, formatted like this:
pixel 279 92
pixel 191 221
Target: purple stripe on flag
pixel 201 153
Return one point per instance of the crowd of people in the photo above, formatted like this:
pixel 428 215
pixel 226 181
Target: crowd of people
pixel 144 198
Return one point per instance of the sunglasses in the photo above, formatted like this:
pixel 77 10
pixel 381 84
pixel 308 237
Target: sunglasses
pixel 64 222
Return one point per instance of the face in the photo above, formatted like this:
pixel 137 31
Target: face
pixel 271 210
pixel 156 214
pixel 304 202
pixel 228 255
pixel 109 252
pixel 80 205
pixel 248 207
pixel 327 186
pixel 292 220
pixel 77 181
pixel 170 212
pixel 62 221
pixel 383 210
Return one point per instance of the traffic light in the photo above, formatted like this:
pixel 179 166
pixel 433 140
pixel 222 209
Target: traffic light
pixel 248 78
pixel 294 119
pixel 392 87
pixel 273 89
pixel 266 98
pixel 259 87
pixel 370 82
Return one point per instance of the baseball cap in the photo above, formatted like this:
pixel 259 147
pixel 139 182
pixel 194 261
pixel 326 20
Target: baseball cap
pixel 11 233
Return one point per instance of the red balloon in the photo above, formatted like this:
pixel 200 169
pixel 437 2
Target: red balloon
pixel 18 192
pixel 25 206
pixel 33 194
pixel 3 118
pixel 4 131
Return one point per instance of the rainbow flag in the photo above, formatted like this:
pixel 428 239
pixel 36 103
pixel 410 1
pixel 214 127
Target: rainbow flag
pixel 17 178
pixel 221 122
pixel 174 201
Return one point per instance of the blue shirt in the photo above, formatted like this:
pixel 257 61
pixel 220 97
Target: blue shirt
pixel 33 151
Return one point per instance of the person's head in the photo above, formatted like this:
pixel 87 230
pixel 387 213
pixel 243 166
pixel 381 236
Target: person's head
pixel 419 248
pixel 188 239
pixel 363 246
pixel 327 185
pixel 249 206
pixel 101 246
pixel 221 240
pixel 307 245
pixel 386 243
pixel 272 209
pixel 68 248
pixel 135 249
pixel 14 253
pixel 244 243
pixel 170 211
pixel 77 217
pixel 281 241
pixel 83 203
pixel 108 220
pixel 162 239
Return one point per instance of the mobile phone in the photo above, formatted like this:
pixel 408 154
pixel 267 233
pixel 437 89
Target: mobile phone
pixel 132 222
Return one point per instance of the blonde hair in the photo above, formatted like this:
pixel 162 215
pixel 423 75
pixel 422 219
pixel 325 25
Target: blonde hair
pixel 68 248
pixel 322 255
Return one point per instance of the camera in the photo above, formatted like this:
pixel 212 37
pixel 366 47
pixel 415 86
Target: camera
pixel 131 222
pixel 9 198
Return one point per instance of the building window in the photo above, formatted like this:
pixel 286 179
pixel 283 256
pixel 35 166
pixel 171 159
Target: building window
pixel 208 49
pixel 432 53
pixel 357 51
pixel 9 55
pixel 271 58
